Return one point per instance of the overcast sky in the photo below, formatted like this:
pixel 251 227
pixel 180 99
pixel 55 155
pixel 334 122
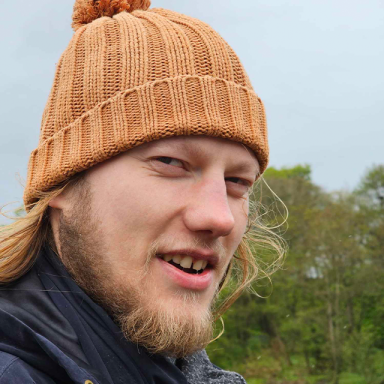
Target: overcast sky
pixel 317 65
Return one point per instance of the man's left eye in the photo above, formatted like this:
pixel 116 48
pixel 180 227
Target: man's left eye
pixel 169 161
pixel 238 180
pixel 237 186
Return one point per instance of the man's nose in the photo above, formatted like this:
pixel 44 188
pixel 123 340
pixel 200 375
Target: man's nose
pixel 208 210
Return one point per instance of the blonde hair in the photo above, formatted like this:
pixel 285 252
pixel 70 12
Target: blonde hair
pixel 21 242
pixel 259 243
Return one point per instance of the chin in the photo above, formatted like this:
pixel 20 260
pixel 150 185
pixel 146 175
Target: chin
pixel 170 331
pixel 176 324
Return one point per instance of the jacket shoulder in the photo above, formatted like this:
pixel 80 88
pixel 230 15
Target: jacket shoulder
pixel 16 371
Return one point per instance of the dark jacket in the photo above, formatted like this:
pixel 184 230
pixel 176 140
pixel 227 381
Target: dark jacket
pixel 42 341
pixel 37 343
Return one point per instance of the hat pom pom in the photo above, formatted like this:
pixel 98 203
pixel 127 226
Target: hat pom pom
pixel 86 11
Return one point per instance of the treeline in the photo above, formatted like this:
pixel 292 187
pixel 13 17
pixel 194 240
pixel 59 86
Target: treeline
pixel 322 318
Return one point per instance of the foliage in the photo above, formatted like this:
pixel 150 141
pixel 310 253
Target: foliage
pixel 322 320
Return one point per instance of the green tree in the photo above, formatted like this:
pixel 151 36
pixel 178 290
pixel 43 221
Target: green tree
pixel 325 317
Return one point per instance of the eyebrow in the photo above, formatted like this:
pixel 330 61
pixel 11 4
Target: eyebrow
pixel 246 167
pixel 190 150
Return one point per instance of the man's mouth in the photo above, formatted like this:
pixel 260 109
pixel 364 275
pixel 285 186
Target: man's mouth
pixel 187 263
pixel 191 271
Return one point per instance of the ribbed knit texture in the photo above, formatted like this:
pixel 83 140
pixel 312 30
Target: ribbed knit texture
pixel 137 77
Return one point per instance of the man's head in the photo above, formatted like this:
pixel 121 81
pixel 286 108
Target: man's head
pixel 132 75
pixel 139 230
pixel 156 113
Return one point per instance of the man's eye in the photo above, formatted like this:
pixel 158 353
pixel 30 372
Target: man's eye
pixel 238 181
pixel 170 161
pixel 237 186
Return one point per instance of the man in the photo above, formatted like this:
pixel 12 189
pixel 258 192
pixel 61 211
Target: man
pixel 137 200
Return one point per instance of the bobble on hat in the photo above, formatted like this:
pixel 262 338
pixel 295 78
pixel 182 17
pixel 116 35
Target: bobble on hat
pixel 86 11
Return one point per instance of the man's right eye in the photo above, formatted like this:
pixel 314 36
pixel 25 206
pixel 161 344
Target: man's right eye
pixel 169 161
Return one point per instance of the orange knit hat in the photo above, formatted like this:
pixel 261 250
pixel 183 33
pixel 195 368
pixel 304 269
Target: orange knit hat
pixel 131 75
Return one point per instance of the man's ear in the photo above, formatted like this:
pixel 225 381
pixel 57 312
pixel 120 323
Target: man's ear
pixel 56 207
pixel 57 202
pixel 61 201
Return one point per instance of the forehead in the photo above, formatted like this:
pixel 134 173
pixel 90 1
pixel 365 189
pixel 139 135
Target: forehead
pixel 205 147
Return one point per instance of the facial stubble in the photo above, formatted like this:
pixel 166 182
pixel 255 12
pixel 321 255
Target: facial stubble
pixel 160 328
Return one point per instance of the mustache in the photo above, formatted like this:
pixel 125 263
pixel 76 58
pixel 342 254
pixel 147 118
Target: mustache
pixel 177 242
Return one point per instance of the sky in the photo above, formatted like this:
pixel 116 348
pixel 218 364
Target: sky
pixel 316 64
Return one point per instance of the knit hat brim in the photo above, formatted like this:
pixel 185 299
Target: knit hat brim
pixel 190 105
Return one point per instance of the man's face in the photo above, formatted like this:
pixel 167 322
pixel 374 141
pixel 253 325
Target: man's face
pixel 161 224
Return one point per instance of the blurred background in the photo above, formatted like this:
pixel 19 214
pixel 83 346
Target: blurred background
pixel 318 67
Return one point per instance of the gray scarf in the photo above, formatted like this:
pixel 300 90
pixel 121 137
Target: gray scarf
pixel 198 369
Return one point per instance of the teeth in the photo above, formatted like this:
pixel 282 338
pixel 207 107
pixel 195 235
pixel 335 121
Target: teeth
pixel 186 262
pixel 197 265
pixel 176 259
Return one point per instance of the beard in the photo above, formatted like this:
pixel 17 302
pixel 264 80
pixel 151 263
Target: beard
pixel 177 331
